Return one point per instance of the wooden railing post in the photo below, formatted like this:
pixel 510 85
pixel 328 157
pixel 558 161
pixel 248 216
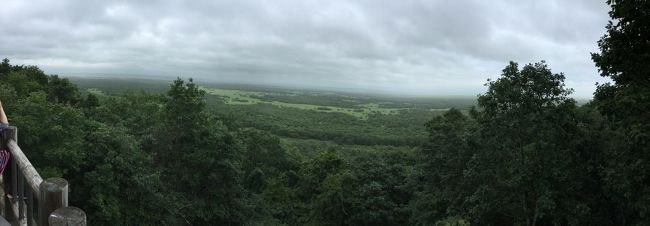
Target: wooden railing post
pixel 68 216
pixel 25 186
pixel 10 133
pixel 53 195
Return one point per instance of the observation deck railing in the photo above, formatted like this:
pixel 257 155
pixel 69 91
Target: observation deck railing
pixel 24 189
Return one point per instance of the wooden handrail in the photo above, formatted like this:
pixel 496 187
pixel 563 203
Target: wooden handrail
pixel 51 194
pixel 32 177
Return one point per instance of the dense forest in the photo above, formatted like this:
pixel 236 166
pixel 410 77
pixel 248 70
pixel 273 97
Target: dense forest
pixel 526 155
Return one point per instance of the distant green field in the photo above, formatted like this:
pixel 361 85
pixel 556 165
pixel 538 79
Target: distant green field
pixel 254 97
pixel 308 119
pixel 116 86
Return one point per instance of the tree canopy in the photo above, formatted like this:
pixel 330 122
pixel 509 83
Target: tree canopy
pixel 624 58
pixel 527 154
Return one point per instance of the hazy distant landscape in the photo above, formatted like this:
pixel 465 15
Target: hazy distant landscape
pixel 325 113
pixel 301 117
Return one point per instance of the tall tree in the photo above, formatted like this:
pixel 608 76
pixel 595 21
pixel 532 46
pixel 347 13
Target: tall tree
pixel 62 90
pixel 625 58
pixel 199 158
pixel 117 182
pixel 326 188
pixel 441 186
pixel 5 67
pixel 525 121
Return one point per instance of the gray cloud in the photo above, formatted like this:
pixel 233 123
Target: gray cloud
pixel 410 46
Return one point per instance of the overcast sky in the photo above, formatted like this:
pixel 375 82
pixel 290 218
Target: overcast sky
pixel 410 47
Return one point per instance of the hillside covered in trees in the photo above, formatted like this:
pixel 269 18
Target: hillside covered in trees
pixel 527 154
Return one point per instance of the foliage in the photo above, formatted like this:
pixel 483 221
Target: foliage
pixel 528 155
pixel 624 56
pixel 524 124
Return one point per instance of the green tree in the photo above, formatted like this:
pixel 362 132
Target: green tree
pixel 326 187
pixel 117 182
pixel 525 121
pixel 5 67
pixel 199 158
pixel 262 150
pixel 91 101
pixel 624 56
pixel 137 112
pixel 511 163
pixel 21 83
pixel 270 177
pixel 62 90
pixel 441 187
pixel 54 145
pixel 381 195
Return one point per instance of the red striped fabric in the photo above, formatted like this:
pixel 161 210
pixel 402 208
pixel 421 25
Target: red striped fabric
pixel 4 159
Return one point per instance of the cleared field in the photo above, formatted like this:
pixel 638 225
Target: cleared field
pixel 243 97
pixel 96 91
pixel 307 116
pixel 349 103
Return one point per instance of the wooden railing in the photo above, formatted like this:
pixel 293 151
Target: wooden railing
pixel 24 189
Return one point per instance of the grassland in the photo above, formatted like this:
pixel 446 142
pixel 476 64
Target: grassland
pixel 243 97
pixel 308 120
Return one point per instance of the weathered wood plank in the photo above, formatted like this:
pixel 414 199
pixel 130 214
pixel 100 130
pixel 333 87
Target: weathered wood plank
pixel 14 208
pixel 68 216
pixel 54 195
pixel 32 178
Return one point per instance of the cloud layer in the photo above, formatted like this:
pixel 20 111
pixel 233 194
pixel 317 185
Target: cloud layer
pixel 407 46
